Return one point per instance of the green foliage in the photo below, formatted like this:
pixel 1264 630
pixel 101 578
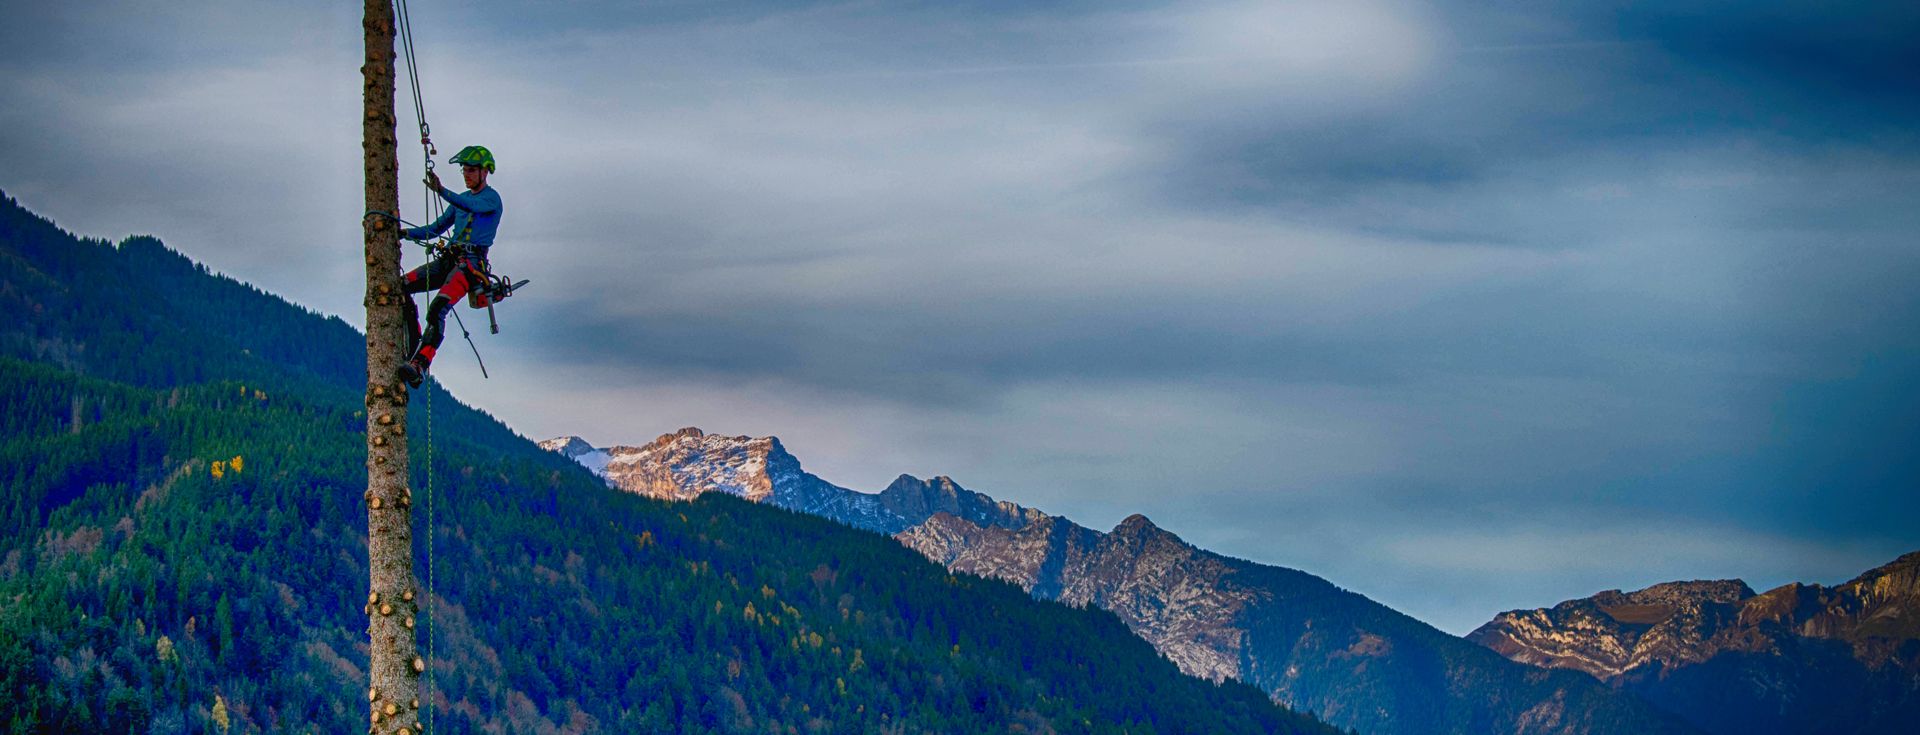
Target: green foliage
pixel 141 593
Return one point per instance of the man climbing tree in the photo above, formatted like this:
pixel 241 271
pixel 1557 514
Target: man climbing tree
pixel 457 268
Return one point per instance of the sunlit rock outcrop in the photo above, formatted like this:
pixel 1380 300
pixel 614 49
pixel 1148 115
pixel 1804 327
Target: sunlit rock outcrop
pixel 1797 658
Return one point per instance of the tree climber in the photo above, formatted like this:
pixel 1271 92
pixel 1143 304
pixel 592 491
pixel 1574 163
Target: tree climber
pixel 457 268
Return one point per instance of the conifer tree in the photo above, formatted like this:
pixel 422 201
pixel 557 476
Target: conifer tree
pixel 392 600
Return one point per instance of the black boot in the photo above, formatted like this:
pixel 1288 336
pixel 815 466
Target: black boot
pixel 413 372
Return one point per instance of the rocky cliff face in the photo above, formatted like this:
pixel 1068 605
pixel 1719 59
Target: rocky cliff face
pixel 1173 595
pixel 1312 645
pixel 688 462
pixel 1877 614
pixel 1613 632
pixel 1799 658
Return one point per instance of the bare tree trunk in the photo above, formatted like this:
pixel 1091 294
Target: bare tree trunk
pixel 392 599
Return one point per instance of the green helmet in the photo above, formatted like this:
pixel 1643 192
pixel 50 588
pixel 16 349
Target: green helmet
pixel 474 155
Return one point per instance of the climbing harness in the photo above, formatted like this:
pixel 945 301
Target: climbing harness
pixel 489 290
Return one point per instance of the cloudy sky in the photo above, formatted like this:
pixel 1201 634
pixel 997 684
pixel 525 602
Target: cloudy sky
pixel 1464 306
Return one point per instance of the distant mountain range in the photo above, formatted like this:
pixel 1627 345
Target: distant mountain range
pixel 1796 659
pixel 1308 643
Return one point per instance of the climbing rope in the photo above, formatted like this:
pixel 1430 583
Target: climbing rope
pixel 404 22
pixel 470 345
pixel 432 619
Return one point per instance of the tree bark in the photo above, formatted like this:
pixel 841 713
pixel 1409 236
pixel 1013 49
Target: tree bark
pixel 393 600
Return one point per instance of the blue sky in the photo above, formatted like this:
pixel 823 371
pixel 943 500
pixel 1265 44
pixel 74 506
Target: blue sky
pixel 1466 308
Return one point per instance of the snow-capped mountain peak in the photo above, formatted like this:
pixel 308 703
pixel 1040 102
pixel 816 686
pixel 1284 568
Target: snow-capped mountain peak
pixel 578 450
pixel 681 465
pixel 567 446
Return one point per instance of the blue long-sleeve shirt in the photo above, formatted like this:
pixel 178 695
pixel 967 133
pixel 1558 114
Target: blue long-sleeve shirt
pixel 474 217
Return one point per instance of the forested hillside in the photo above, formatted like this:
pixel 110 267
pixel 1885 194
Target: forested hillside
pixel 183 550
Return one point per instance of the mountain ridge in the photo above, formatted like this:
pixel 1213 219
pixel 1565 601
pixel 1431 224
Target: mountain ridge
pixel 1305 641
pixel 1840 659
